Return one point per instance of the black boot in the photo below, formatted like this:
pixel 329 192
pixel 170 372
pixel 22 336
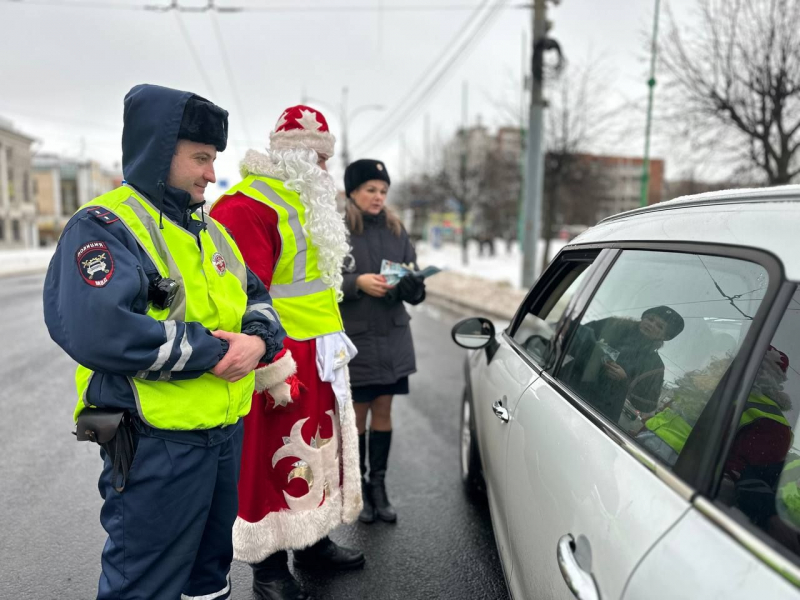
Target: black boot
pixel 273 581
pixel 367 514
pixel 326 555
pixel 379 443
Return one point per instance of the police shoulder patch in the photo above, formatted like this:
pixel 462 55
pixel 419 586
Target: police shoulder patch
pixel 95 263
pixel 103 215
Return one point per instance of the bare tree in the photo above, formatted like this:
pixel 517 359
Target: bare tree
pixel 735 75
pixel 577 120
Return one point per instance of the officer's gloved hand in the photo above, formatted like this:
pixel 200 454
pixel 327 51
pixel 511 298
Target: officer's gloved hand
pixel 411 289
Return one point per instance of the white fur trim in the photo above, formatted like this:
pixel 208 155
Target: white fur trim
pixel 276 372
pixel 291 530
pixel 351 481
pixel 321 142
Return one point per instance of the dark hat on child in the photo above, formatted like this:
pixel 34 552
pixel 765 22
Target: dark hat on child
pixel 364 170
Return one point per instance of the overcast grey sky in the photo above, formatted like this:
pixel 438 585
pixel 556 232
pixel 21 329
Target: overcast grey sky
pixel 66 65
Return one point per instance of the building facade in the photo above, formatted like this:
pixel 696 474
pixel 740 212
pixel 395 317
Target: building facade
pixel 17 208
pixel 61 185
pixel 594 187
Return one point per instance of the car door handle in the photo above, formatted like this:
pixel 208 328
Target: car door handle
pixel 580 583
pixel 500 412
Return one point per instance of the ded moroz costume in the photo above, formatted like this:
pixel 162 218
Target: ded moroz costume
pixel 300 470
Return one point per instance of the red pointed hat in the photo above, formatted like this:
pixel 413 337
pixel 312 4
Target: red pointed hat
pixel 302 127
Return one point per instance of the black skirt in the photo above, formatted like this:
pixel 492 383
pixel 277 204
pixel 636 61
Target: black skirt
pixel 368 393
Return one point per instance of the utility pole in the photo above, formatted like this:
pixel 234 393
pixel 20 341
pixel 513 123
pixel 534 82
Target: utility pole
pixel 651 83
pixel 534 172
pixel 463 173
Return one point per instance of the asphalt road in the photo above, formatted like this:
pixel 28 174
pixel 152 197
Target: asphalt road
pixel 50 535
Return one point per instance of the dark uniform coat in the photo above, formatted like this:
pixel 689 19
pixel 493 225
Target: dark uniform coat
pixel 379 327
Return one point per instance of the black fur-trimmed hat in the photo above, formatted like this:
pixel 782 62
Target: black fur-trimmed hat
pixel 674 321
pixel 204 122
pixel 364 170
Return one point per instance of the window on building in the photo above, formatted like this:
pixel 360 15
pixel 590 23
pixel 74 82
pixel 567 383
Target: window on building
pixel 15 230
pixel 26 182
pixel 11 186
pixel 2 230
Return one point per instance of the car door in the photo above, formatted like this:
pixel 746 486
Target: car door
pixel 499 375
pixel 495 384
pixel 586 498
pixel 745 543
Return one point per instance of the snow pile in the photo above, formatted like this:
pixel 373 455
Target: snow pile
pixel 25 260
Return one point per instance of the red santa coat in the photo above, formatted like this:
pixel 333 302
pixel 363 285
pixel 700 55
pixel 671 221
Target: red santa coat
pixel 300 476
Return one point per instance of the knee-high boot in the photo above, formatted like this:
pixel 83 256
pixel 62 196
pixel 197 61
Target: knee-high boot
pixel 379 444
pixel 273 581
pixel 367 514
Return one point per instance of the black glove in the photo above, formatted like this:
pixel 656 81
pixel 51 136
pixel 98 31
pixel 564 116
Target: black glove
pixel 411 289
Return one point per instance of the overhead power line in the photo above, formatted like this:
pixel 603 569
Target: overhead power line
pixel 229 74
pixel 195 56
pixel 176 6
pixel 438 78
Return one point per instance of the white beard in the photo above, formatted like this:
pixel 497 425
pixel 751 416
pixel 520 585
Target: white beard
pixel 298 170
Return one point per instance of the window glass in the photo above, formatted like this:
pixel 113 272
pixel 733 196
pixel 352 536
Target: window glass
pixel 656 339
pixel 538 327
pixel 761 474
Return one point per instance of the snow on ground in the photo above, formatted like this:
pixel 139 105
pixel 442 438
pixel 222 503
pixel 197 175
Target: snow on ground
pixel 25 260
pixel 505 266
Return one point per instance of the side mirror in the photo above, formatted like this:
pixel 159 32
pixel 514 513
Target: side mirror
pixel 473 333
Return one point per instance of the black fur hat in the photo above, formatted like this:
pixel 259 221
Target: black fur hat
pixel 363 170
pixel 674 321
pixel 204 122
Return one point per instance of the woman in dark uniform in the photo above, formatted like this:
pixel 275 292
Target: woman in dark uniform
pixel 617 358
pixel 376 321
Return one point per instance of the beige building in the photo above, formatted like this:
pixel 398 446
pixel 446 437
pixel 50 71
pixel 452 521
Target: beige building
pixel 62 185
pixel 17 208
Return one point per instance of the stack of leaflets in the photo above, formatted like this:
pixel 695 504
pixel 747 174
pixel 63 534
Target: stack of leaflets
pixel 394 271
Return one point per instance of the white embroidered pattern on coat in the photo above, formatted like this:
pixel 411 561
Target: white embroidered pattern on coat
pixel 317 464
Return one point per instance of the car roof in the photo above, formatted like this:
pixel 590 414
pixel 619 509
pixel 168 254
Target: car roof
pixel 764 218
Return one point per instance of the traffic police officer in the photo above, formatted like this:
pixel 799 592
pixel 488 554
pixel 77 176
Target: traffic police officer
pixel 167 324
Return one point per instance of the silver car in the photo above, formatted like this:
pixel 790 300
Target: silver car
pixel 633 426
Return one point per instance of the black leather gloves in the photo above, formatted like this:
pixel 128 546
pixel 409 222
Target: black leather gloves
pixel 411 289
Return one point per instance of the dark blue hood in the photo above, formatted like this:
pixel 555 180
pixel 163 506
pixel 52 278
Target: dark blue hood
pixel 151 122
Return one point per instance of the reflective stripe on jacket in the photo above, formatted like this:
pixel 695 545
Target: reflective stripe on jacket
pixel 674 430
pixel 212 291
pixel 306 304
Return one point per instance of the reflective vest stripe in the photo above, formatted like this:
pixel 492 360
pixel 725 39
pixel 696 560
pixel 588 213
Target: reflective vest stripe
pixel 763 407
pixel 177 310
pixel 300 258
pixel 295 290
pixel 299 286
pixel 306 304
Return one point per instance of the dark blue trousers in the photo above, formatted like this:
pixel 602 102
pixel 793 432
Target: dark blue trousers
pixel 169 531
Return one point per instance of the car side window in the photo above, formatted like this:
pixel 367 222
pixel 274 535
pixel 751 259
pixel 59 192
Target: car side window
pixel 537 329
pixel 656 339
pixel 761 473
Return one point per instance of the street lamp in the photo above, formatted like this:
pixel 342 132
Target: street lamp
pixel 346 117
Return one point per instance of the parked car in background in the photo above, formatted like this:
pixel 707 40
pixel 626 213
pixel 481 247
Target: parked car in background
pixel 634 426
